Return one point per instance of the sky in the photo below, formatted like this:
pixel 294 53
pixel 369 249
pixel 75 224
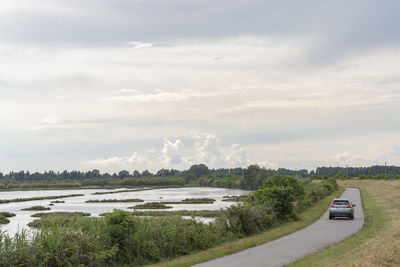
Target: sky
pixel 151 84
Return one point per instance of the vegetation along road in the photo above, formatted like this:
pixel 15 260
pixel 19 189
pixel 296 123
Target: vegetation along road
pixel 320 234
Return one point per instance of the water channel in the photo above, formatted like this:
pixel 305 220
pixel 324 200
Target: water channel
pixel 73 204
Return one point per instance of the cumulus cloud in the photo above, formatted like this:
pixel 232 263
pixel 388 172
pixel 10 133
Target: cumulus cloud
pixel 135 159
pixel 346 157
pixel 237 156
pixel 205 148
pixel 342 156
pixel 171 152
pixel 268 164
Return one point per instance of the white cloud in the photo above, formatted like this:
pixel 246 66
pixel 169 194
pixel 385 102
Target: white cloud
pixel 139 44
pixel 164 97
pixel 342 156
pixel 50 120
pixel 237 156
pixel 171 153
pixel 160 98
pixel 135 159
pixel 127 90
pixel 205 149
pixel 268 164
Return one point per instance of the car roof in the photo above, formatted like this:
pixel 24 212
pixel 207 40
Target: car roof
pixel 341 199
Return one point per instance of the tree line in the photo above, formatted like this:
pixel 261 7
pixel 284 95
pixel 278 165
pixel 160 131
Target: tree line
pixel 246 178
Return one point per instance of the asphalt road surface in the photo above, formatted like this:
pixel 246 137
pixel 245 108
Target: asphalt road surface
pixel 290 248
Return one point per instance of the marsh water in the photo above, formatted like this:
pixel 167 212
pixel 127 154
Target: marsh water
pixel 73 204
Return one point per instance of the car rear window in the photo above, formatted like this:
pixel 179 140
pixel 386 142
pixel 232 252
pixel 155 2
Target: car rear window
pixel 341 202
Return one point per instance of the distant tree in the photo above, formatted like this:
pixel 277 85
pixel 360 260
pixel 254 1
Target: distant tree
pixel 199 170
pixel 254 176
pixel 123 174
pixel 146 173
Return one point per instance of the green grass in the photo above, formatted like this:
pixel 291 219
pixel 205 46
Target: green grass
pixel 62 219
pixel 37 208
pixel 7 214
pixel 234 198
pixel 122 191
pixel 195 213
pixel 3 201
pixel 307 217
pixel 59 213
pixel 151 205
pixel 4 219
pixel 376 221
pixel 113 200
pixel 191 201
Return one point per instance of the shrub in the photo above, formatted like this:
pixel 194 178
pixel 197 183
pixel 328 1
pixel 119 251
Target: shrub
pixel 246 219
pixel 119 235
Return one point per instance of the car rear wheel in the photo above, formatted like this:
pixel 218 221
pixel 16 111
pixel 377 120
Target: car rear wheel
pixel 352 217
pixel 330 217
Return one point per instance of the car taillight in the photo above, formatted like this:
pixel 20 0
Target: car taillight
pixel 348 206
pixel 332 206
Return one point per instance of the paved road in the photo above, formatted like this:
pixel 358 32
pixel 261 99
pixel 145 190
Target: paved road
pixel 289 248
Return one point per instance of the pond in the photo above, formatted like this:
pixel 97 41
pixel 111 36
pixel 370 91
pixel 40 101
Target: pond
pixel 72 204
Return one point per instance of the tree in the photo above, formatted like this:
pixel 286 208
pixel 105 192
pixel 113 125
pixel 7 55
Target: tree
pixel 199 170
pixel 123 174
pixel 280 193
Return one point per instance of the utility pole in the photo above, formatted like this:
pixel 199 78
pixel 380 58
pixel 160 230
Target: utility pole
pixel 385 168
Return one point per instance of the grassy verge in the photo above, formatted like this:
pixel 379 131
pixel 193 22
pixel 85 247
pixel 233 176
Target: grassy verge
pixel 305 218
pixel 377 243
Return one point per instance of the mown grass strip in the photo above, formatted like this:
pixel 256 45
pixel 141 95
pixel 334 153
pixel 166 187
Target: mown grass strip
pixel 307 217
pixel 4 201
pixel 376 220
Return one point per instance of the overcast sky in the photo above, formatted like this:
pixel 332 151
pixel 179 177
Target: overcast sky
pixel 151 84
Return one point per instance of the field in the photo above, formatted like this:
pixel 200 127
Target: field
pixel 378 242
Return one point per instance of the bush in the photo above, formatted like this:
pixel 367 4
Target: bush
pixel 246 219
pixel 280 193
pixel 3 219
pixel 119 235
